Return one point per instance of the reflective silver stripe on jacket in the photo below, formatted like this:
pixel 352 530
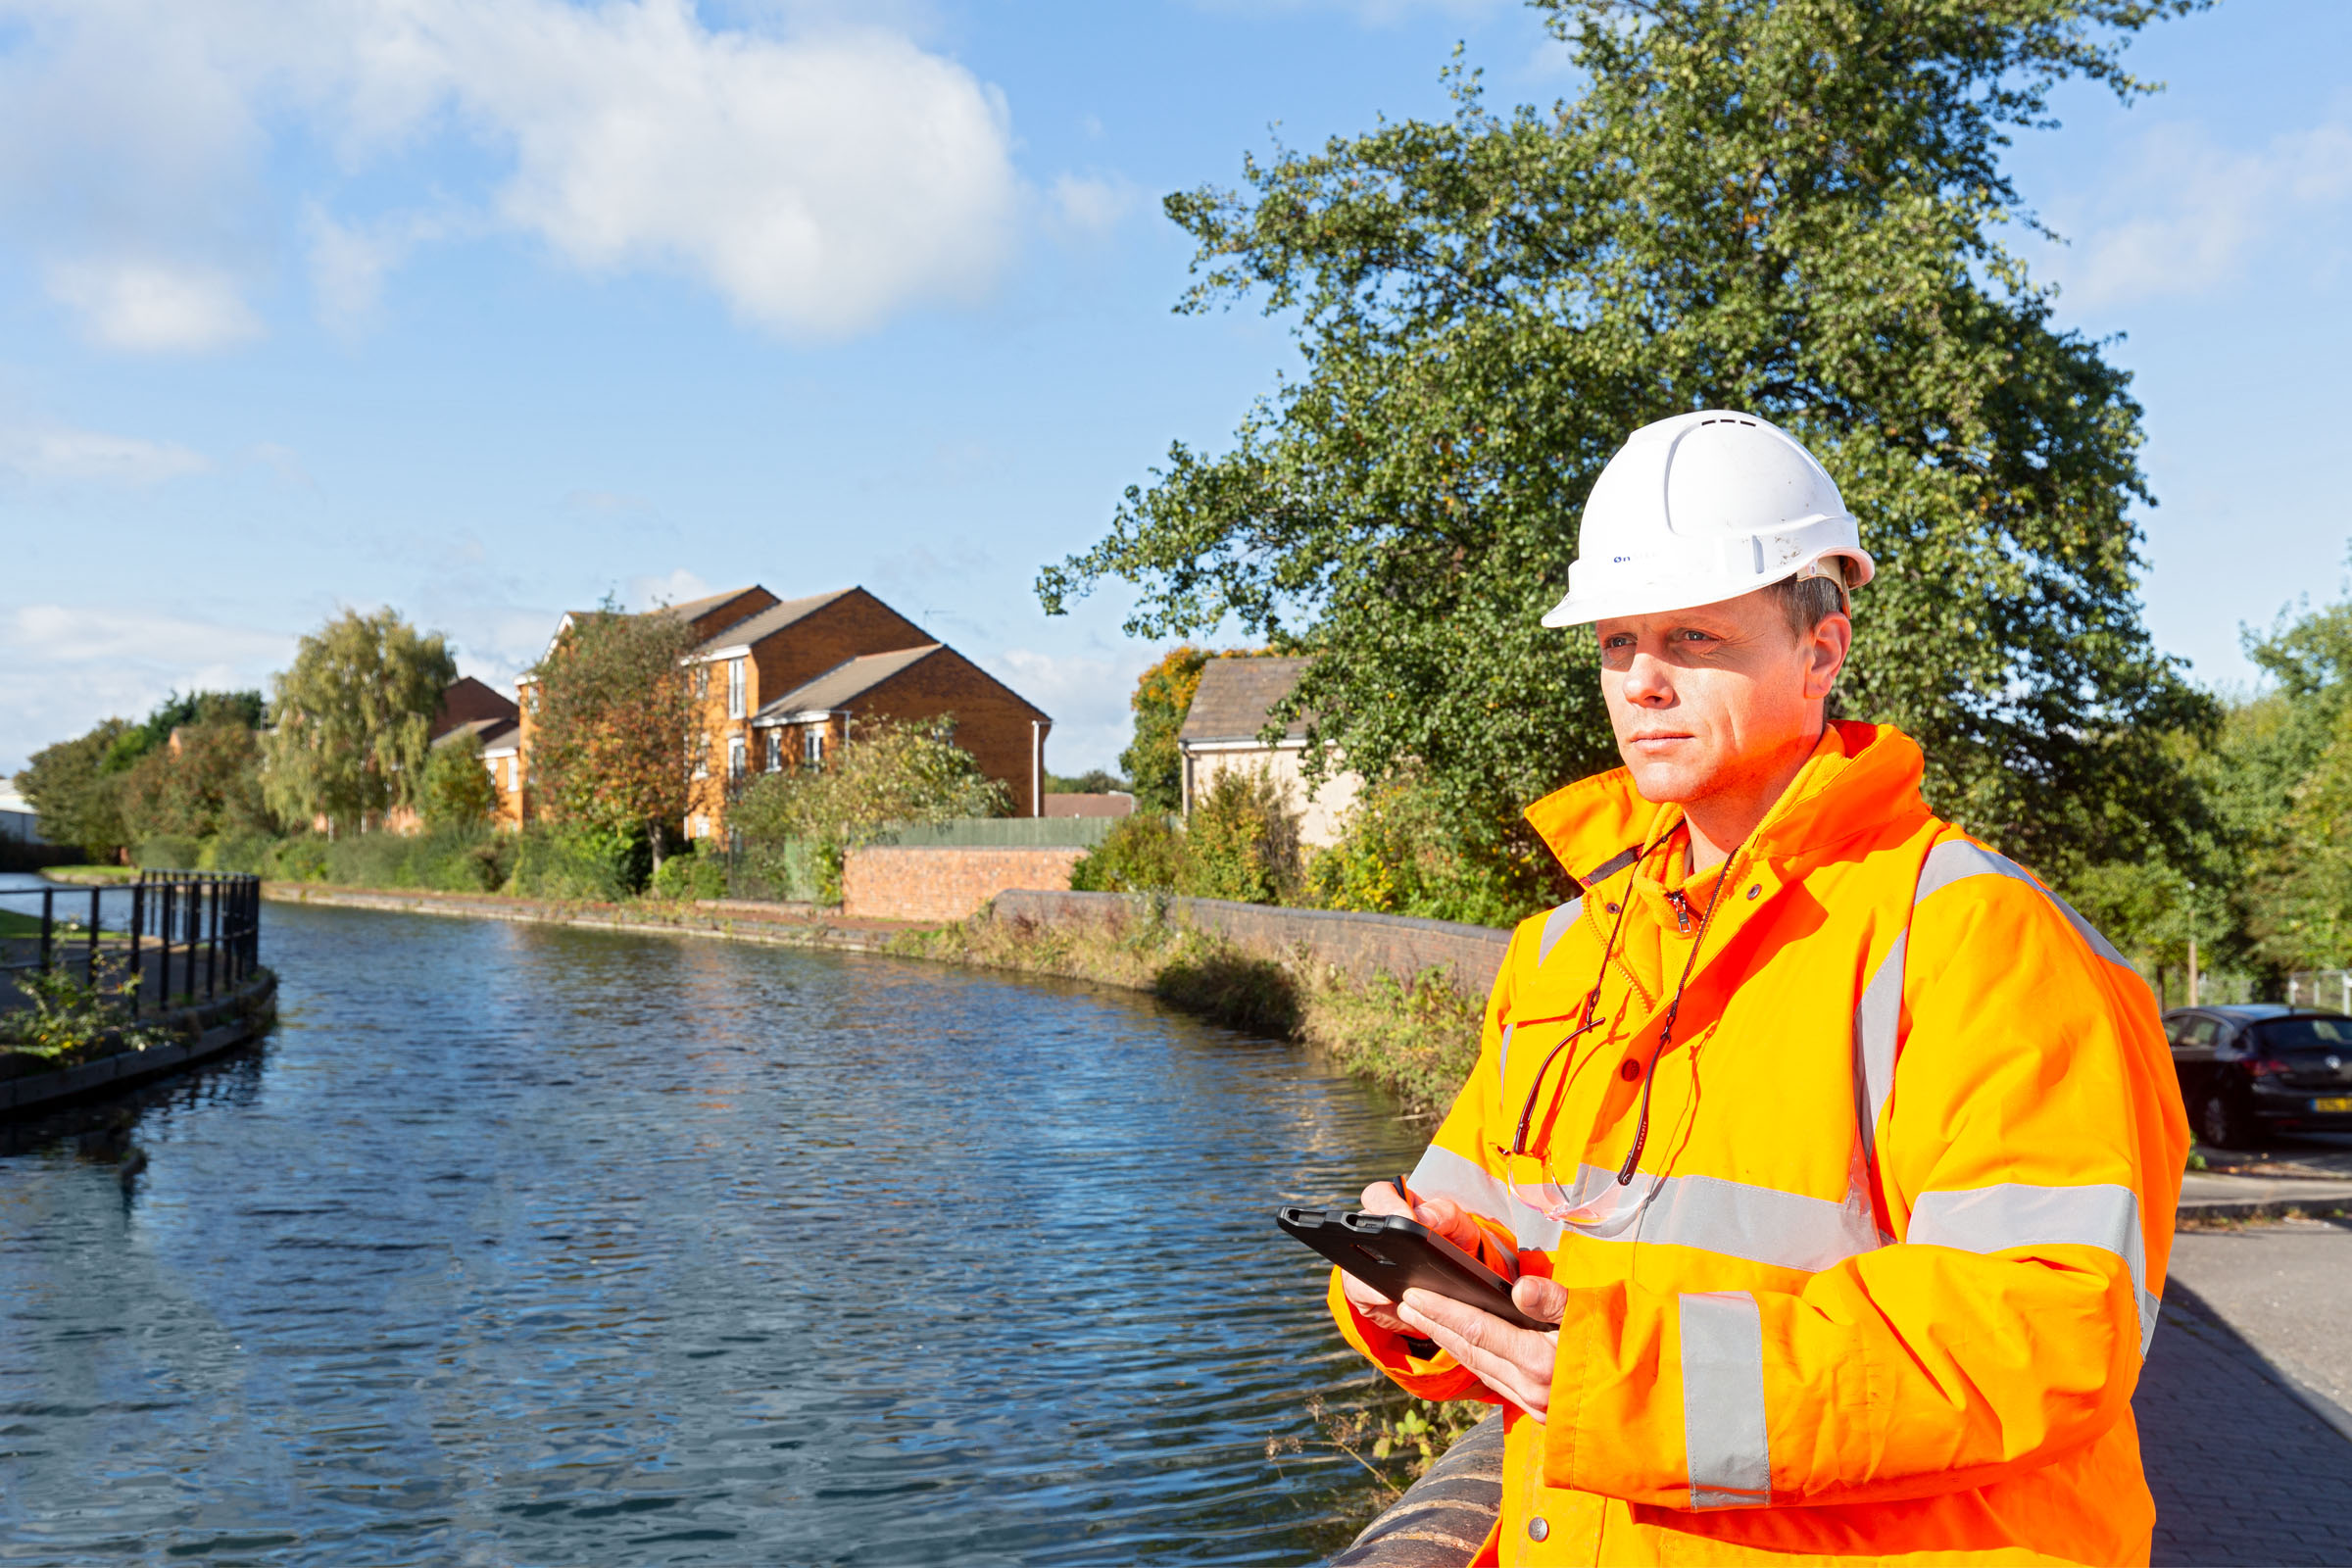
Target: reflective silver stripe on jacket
pixel 1759 1224
pixel 1959 859
pixel 2014 1215
pixel 1879 1017
pixel 1725 1436
pixel 1556 925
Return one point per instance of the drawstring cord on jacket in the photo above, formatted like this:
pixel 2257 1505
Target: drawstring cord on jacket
pixel 1650 1074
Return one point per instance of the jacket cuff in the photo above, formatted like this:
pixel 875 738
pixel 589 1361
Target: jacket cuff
pixel 1386 1348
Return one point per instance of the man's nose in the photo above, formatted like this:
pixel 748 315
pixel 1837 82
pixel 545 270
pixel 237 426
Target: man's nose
pixel 1647 682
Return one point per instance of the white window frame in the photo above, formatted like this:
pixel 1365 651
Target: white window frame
pixel 735 688
pixel 813 745
pixel 737 761
pixel 775 751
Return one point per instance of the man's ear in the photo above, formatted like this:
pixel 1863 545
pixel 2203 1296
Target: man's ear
pixel 1825 648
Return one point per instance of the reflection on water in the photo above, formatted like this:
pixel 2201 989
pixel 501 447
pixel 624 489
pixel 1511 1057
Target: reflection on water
pixel 524 1245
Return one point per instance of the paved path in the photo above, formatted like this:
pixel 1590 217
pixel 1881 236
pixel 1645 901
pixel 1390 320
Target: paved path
pixel 2243 1470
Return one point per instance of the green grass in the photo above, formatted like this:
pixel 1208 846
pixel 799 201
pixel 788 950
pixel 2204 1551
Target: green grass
pixel 13 924
pixel 91 874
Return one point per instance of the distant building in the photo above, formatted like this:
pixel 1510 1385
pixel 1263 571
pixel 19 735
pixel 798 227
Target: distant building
pixel 470 703
pixel 1233 706
pixel 19 823
pixel 782 682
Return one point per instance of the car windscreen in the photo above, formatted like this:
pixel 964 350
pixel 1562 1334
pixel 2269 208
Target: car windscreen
pixel 2303 1034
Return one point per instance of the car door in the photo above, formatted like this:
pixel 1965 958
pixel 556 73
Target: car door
pixel 2194 1037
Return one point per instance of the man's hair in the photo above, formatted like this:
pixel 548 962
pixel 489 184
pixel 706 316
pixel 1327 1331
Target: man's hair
pixel 1809 600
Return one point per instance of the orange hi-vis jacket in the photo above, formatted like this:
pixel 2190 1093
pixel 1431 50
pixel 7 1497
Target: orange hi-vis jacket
pixel 1882 1283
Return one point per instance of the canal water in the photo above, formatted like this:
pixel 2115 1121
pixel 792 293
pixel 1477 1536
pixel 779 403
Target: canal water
pixel 526 1245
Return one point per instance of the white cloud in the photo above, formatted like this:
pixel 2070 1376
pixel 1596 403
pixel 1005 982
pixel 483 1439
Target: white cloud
pixel 2189 215
pixel 675 589
pixel 58 453
pixel 818 181
pixel 1086 694
pixel 152 306
pixel 67 667
pixel 1093 203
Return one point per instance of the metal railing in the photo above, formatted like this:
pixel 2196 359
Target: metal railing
pixel 2320 988
pixel 168 938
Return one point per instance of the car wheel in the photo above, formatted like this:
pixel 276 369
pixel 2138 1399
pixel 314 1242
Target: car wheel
pixel 2223 1121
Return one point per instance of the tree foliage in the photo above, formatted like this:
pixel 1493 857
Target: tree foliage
pixel 350 721
pixel 207 784
pixel 1789 207
pixel 457 790
pixel 76 799
pixel 1163 695
pixel 616 731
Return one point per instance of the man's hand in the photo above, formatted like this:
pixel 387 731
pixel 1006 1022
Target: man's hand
pixel 1442 1216
pixel 1513 1361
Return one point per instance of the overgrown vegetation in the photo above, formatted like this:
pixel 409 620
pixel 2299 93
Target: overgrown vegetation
pixel 1241 842
pixel 67 1013
pixel 1419 1040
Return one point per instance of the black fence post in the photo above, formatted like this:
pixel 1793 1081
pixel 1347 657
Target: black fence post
pixel 48 918
pixel 90 969
pixel 139 918
pixel 212 945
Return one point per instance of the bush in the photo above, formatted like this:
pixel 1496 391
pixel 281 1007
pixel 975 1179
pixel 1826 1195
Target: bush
pixel 1142 853
pixel 785 870
pixel 457 790
pixel 1241 841
pixel 453 861
pixel 572 862
pixel 301 859
pixel 246 853
pixel 691 874
pixel 1402 854
pixel 167 851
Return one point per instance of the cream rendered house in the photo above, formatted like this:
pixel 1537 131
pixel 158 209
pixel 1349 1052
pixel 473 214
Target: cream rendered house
pixel 1221 731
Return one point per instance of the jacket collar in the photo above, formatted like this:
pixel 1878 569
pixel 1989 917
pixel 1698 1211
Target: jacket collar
pixel 1861 777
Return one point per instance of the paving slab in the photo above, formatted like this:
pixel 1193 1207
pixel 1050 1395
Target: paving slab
pixel 2244 1470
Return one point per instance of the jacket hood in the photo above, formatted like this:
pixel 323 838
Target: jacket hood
pixel 1859 778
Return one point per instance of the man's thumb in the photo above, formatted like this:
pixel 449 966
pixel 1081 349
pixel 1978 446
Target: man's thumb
pixel 1545 1301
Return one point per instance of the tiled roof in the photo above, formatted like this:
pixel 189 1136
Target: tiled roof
pixel 774 618
pixel 1237 694
pixel 704 606
pixel 837 687
pixel 495 732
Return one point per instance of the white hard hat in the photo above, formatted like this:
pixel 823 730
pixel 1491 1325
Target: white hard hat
pixel 1701 507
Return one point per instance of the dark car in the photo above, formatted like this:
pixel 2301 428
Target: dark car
pixel 2245 1070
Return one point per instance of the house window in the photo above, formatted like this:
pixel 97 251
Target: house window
pixel 813 745
pixel 734 688
pixel 734 757
pixel 775 751
pixel 701 754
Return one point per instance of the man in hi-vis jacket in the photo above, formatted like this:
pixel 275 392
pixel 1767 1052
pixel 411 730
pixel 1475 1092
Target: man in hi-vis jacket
pixel 1842 1151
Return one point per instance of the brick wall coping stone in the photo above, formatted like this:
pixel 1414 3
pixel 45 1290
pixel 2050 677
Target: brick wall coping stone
pixel 792 925
pixel 206 1029
pixel 1358 944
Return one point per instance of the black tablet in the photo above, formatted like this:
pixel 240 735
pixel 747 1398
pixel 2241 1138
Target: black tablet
pixel 1393 1254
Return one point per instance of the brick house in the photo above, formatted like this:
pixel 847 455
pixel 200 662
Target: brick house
pixel 781 680
pixel 1222 732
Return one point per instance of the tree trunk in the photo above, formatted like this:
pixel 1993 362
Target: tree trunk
pixel 654 836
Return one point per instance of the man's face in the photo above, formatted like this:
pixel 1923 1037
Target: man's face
pixel 1718 699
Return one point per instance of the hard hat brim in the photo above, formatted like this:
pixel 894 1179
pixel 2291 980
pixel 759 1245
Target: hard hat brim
pixel 1618 602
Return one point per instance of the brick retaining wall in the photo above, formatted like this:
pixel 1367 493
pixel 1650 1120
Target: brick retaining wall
pixel 890 883
pixel 1357 945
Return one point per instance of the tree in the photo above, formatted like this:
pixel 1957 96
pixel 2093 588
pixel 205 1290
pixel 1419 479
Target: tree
pixel 888 773
pixel 616 731
pixel 457 790
pixel 1788 208
pixel 210 783
pixel 75 799
pixel 350 721
pixel 1163 695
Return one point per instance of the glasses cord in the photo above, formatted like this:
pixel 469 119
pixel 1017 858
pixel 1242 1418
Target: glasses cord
pixel 1650 1074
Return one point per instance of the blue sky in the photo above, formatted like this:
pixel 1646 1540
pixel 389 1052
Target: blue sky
pixel 485 307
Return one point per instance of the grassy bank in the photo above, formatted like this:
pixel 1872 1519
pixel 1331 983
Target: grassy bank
pixel 1417 1039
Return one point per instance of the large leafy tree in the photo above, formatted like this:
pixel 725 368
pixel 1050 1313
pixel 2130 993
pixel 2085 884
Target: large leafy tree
pixel 616 724
pixel 350 721
pixel 1791 207
pixel 1162 695
pixel 209 782
pixel 76 799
